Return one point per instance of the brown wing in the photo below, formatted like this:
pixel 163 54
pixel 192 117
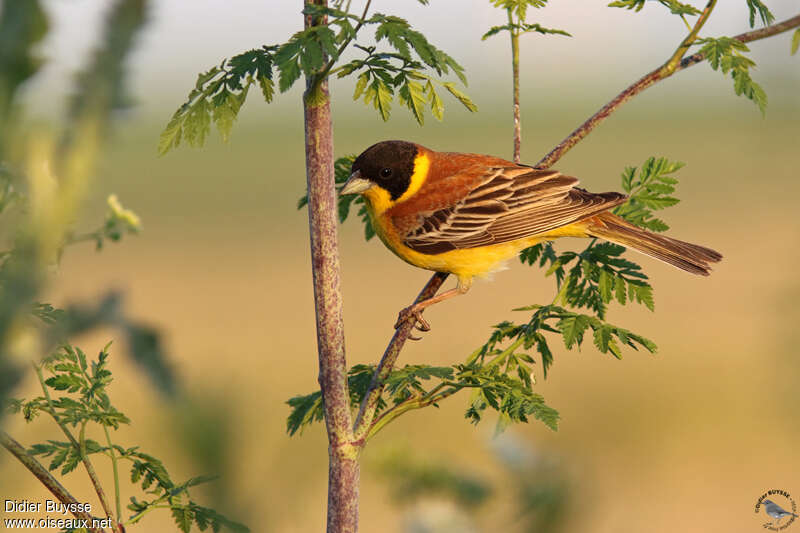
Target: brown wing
pixel 509 204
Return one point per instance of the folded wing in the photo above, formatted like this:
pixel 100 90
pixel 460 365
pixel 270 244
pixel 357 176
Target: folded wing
pixel 510 203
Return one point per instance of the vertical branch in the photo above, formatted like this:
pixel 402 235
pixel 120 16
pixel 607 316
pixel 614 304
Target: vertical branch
pixel 515 74
pixel 343 472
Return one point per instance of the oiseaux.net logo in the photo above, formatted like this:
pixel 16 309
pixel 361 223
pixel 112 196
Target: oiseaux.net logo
pixel 778 507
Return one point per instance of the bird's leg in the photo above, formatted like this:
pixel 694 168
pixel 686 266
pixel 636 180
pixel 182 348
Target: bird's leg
pixel 415 311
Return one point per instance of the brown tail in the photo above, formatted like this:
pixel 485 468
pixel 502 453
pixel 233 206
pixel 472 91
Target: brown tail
pixel 689 257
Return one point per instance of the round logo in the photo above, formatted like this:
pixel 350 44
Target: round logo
pixel 778 507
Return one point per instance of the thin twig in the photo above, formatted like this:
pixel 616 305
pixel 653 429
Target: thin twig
pixel 646 81
pixel 417 403
pixel 515 83
pixel 87 463
pixel 370 402
pixel 323 74
pixel 47 479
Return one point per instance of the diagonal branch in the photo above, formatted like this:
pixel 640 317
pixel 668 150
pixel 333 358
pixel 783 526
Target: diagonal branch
pixel 47 479
pixel 364 427
pixel 646 81
pixel 370 403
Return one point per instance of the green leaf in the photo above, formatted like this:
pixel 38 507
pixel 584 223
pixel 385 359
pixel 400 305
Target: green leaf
pixel 183 517
pixel 219 93
pixel 519 8
pixel 758 7
pixel 494 30
pixel 437 106
pixel 411 93
pixel 463 98
pixel 636 5
pixel 675 7
pixel 305 410
pixel 605 342
pixel 289 73
pixel 605 285
pixel 795 41
pixel 572 329
pixel 726 54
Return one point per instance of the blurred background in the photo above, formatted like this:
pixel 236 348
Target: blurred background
pixel 686 440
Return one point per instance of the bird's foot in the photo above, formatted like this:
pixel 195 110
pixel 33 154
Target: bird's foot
pixel 413 313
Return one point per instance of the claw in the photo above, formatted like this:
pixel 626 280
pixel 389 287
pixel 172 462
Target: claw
pixel 410 313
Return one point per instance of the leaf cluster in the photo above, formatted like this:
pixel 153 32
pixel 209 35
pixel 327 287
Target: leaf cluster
pixel 76 395
pixel 757 7
pixel 726 55
pixel 517 19
pixel 218 96
pixel 593 277
pixel 650 190
pixel 675 7
pixel 400 72
pixel 88 400
pixel 64 454
pixel 381 74
pixel 524 27
pixel 519 8
pixel 150 474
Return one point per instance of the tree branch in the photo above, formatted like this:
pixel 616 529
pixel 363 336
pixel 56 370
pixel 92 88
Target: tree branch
pixel 370 403
pixel 409 405
pixel 47 479
pixel 343 470
pixel 364 427
pixel 646 81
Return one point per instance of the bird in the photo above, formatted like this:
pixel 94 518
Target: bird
pixel 776 511
pixel 467 214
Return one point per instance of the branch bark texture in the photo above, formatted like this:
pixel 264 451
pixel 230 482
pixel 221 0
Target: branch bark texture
pixel 343 472
pixel 366 412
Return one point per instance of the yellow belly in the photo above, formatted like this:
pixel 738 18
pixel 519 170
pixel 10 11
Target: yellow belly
pixel 467 263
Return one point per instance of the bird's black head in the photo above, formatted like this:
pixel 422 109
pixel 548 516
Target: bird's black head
pixel 388 164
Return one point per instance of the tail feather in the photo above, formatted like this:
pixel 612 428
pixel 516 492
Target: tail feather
pixel 686 256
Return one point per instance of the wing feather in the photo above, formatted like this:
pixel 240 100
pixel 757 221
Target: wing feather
pixel 510 203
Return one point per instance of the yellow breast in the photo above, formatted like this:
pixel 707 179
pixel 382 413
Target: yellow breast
pixel 464 263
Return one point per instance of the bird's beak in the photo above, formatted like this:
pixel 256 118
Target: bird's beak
pixel 355 184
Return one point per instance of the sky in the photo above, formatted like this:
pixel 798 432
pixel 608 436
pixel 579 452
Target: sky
pixel 185 37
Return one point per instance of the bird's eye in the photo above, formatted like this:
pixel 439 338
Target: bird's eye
pixel 386 172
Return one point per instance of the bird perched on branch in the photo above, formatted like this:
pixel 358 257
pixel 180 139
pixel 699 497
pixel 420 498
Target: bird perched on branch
pixel 466 214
